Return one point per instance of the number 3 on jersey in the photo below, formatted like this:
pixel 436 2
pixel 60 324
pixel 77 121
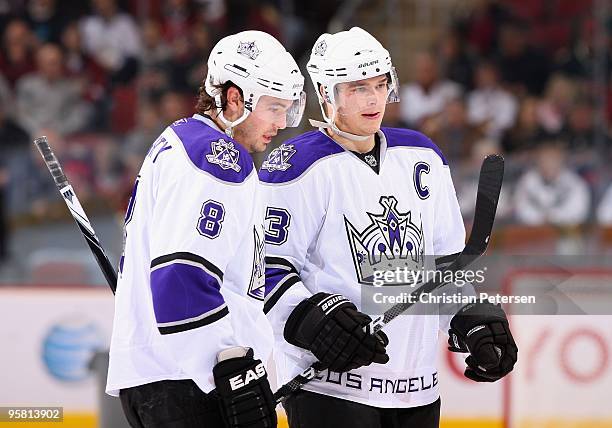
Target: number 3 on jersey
pixel 277 225
pixel 210 223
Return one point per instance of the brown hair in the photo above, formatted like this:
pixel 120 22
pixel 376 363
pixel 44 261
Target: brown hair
pixel 207 103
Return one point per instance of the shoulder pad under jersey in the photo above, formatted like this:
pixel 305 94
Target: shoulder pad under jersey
pixel 295 156
pixel 399 137
pixel 212 151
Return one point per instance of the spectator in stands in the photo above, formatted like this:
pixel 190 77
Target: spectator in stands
pixel 12 136
pixel 31 190
pixel 550 193
pixel 580 130
pixel 259 15
pixel 81 66
pixel 579 59
pixel 202 44
pixel 489 104
pixel 457 63
pixel 112 38
pixel 154 60
pixel 44 19
pixel 139 140
pixel 16 60
pixel 557 102
pixel 604 210
pixel 6 95
pixel 14 141
pixel 428 95
pixel 527 130
pixel 186 69
pixel 523 67
pixel 48 98
pixel 9 9
pixel 452 131
pixel 467 181
pixel 212 11
pixel 483 23
pixel 179 17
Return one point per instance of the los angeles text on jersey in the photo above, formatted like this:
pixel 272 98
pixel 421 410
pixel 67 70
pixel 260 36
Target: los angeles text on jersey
pixel 444 298
pixel 381 385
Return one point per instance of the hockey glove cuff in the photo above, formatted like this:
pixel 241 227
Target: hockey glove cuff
pixel 245 397
pixel 482 329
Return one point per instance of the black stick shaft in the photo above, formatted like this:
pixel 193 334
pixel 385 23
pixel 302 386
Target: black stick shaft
pixel 77 212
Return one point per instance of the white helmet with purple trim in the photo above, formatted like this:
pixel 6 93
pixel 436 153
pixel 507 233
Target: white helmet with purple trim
pixel 348 56
pixel 260 66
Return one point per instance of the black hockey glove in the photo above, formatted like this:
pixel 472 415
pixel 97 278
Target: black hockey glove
pixel 482 330
pixel 331 327
pixel 245 397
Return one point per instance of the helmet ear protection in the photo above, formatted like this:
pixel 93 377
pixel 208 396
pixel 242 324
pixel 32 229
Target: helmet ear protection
pixel 327 98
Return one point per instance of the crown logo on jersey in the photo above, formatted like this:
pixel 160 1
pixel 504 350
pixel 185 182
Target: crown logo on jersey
pixel 249 49
pixel 391 241
pixel 371 160
pixel 278 159
pixel 320 48
pixel 257 286
pixel 224 154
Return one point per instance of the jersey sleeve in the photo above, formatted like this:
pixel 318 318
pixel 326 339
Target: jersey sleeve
pixel 292 222
pixel 198 224
pixel 449 231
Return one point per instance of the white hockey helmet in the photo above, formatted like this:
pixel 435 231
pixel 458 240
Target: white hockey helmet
pixel 348 56
pixel 260 66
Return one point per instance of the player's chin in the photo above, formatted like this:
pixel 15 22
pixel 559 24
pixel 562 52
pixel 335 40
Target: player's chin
pixel 261 145
pixel 369 128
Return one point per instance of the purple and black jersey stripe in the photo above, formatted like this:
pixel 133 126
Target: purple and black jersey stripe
pixel 186 292
pixel 280 276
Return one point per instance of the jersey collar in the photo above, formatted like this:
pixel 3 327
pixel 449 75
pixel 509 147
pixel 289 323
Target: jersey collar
pixel 208 120
pixel 383 148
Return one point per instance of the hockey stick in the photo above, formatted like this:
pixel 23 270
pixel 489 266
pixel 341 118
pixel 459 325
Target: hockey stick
pixel 489 187
pixel 77 212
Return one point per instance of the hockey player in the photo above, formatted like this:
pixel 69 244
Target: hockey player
pixel 188 308
pixel 345 204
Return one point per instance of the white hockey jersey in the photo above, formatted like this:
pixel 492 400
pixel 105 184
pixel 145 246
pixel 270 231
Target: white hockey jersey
pixel 331 222
pixel 191 281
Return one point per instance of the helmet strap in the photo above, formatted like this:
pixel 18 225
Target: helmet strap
pixel 330 124
pixel 229 125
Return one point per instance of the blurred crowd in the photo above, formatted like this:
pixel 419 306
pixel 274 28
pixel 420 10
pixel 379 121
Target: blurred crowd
pixel 521 78
pixel 102 78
